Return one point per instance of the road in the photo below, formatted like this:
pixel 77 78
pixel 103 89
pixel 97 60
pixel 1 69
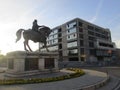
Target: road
pixel 114 71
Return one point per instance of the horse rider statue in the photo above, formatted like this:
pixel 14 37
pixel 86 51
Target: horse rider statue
pixel 36 34
pixel 35 26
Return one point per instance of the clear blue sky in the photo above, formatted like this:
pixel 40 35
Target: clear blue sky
pixel 16 14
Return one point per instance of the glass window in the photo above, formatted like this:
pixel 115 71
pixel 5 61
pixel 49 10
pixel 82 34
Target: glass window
pixel 55 36
pixel 59 30
pixel 72 30
pixel 90 27
pixel 60 40
pixel 90 33
pixel 105 45
pixel 59 35
pixel 68 37
pixel 43 49
pixel 53 41
pixel 71 25
pixel 80 29
pixel 82 50
pixel 81 36
pixel 53 48
pixel 72 44
pixel 91 38
pixel 106 33
pixel 91 44
pixel 97 35
pixel 54 32
pixel 91 51
pixel 73 52
pixel 80 24
pixel 97 30
pixel 81 43
pixel 60 46
pixel 52 37
pixel 72 36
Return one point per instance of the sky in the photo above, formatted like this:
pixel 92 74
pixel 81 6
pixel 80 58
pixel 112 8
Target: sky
pixel 16 14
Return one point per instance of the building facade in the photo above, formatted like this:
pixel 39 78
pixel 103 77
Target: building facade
pixel 79 40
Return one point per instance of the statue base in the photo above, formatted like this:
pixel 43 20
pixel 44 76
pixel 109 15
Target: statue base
pixel 21 63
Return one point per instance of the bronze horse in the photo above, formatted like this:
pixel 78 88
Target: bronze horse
pixel 35 36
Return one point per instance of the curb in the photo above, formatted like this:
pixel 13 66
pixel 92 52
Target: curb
pixel 95 86
pixel 117 86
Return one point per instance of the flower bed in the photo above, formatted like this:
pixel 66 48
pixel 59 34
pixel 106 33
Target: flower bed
pixel 78 72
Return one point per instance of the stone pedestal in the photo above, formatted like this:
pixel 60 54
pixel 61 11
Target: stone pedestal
pixel 21 63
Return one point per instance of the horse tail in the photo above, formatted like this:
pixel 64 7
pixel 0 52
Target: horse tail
pixel 18 34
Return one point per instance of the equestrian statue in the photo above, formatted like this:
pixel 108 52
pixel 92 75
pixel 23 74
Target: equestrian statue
pixel 36 34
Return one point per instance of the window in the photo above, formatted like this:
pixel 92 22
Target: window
pixel 54 32
pixel 80 24
pixel 60 40
pixel 97 34
pixel 106 33
pixel 68 31
pixel 53 41
pixel 91 51
pixel 103 36
pixel 47 42
pixel 60 53
pixel 91 38
pixel 81 36
pixel 103 52
pixel 81 43
pixel 91 44
pixel 72 30
pixel 97 30
pixel 60 46
pixel 72 44
pixel 59 30
pixel 80 29
pixel 71 25
pixel 52 37
pixel 90 27
pixel 72 36
pixel 82 50
pixel 68 36
pixel 106 45
pixel 73 52
pixel 55 36
pixel 90 33
pixel 53 48
pixel 59 35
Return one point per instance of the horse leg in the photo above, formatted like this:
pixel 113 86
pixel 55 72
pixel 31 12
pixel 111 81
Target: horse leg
pixel 46 46
pixel 28 46
pixel 25 46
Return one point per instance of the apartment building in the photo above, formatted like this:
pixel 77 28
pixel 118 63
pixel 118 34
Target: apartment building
pixel 79 40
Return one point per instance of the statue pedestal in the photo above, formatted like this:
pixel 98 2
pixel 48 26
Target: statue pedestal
pixel 21 63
